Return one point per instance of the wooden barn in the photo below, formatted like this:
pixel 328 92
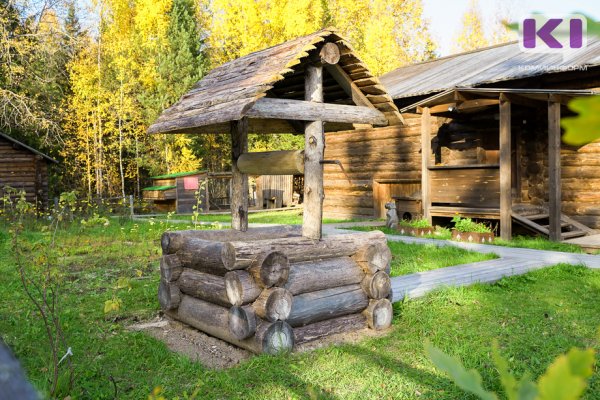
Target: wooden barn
pixel 481 138
pixel 24 168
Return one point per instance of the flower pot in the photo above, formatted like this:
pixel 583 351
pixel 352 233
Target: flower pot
pixel 473 237
pixel 410 231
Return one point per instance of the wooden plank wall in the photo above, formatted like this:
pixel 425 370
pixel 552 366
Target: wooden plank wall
pixel 186 199
pixel 280 187
pixel 368 155
pixel 24 170
pixel 466 187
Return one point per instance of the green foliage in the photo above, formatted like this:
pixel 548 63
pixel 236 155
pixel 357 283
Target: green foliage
pixel 565 379
pixel 416 223
pixel 468 225
pixel 585 127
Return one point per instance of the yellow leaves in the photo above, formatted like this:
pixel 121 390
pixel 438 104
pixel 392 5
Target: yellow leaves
pixel 112 305
pixel 566 378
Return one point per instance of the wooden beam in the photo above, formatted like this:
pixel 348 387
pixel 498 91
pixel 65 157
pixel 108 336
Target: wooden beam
pixel 340 76
pixel 314 148
pixel 283 162
pixel 310 111
pixel 463 105
pixel 425 157
pixel 505 170
pixel 239 180
pixel 554 170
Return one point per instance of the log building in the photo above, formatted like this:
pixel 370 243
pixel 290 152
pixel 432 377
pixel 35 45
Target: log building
pixel 481 138
pixel 24 168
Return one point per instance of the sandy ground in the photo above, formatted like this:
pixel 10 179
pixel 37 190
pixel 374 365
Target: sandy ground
pixel 217 354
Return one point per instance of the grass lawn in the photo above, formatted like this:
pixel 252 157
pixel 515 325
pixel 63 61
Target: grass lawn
pixel 288 217
pixel 534 317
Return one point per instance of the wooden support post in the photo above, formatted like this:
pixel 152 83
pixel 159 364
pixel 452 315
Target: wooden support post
pixel 505 170
pixel 314 147
pixel 425 156
pixel 554 170
pixel 239 181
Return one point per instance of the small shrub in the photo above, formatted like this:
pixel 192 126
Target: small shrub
pixel 468 225
pixel 416 223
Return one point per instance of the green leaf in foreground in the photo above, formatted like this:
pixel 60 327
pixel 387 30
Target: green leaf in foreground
pixel 566 377
pixel 585 127
pixel 469 381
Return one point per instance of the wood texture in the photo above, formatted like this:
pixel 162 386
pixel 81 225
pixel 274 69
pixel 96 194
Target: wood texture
pixel 505 171
pixel 241 288
pixel 170 267
pixel 329 53
pixel 326 304
pixel 318 330
pixel 377 285
pixel 310 276
pixel 270 269
pixel 169 295
pixel 204 286
pixel 242 321
pixel 374 257
pixel 554 170
pixel 239 180
pixel 207 256
pixel 425 162
pixel 273 304
pixel 172 242
pixel 379 314
pixel 284 162
pixel 300 110
pixel 314 147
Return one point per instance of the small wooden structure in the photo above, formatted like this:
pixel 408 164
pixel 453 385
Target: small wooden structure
pixel 179 192
pixel 308 85
pixel 24 168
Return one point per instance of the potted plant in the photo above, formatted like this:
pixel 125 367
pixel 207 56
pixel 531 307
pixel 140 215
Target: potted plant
pixel 467 230
pixel 415 227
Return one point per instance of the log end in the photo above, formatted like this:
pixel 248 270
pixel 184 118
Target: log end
pixel 275 269
pixel 377 285
pixel 242 322
pixel 169 295
pixel 379 314
pixel 278 338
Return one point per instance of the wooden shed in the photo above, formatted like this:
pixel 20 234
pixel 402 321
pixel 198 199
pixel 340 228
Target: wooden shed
pixel 24 168
pixel 481 138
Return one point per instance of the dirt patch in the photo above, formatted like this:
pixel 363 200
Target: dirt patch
pixel 217 354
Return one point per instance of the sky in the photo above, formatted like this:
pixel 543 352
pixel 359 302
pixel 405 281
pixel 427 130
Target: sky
pixel 445 15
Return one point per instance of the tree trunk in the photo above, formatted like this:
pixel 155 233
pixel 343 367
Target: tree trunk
pixel 379 314
pixel 172 242
pixel 311 276
pixel 270 269
pixel 239 180
pixel 241 287
pixel 168 295
pixel 347 323
pixel 204 286
pixel 377 285
pixel 273 304
pixel 326 304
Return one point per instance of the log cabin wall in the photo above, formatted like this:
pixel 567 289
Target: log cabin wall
pixel 375 161
pixel 24 170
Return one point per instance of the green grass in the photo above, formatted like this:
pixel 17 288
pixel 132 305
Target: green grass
pixel 535 318
pixel 288 217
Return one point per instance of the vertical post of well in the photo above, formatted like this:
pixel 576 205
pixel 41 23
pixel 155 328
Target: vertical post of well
pixel 425 156
pixel 314 147
pixel 239 181
pixel 505 170
pixel 554 170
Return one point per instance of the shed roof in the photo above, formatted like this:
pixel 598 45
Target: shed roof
pixel 498 63
pixel 229 91
pixel 29 148
pixel 178 174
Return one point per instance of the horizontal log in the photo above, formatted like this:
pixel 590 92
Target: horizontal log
pixel 301 110
pixel 241 288
pixel 273 304
pixel 270 269
pixel 317 275
pixel 347 323
pixel 170 267
pixel 285 162
pixel 204 286
pixel 242 321
pixel 169 295
pixel 379 314
pixel 208 256
pixel 326 304
pixel 172 242
pixel 270 338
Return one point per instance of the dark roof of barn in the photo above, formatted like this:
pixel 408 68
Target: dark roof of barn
pixel 493 64
pixel 31 149
pixel 230 90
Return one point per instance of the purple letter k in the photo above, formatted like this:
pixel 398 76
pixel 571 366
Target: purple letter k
pixel 545 33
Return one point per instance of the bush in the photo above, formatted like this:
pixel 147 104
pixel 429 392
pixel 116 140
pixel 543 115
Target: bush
pixel 468 225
